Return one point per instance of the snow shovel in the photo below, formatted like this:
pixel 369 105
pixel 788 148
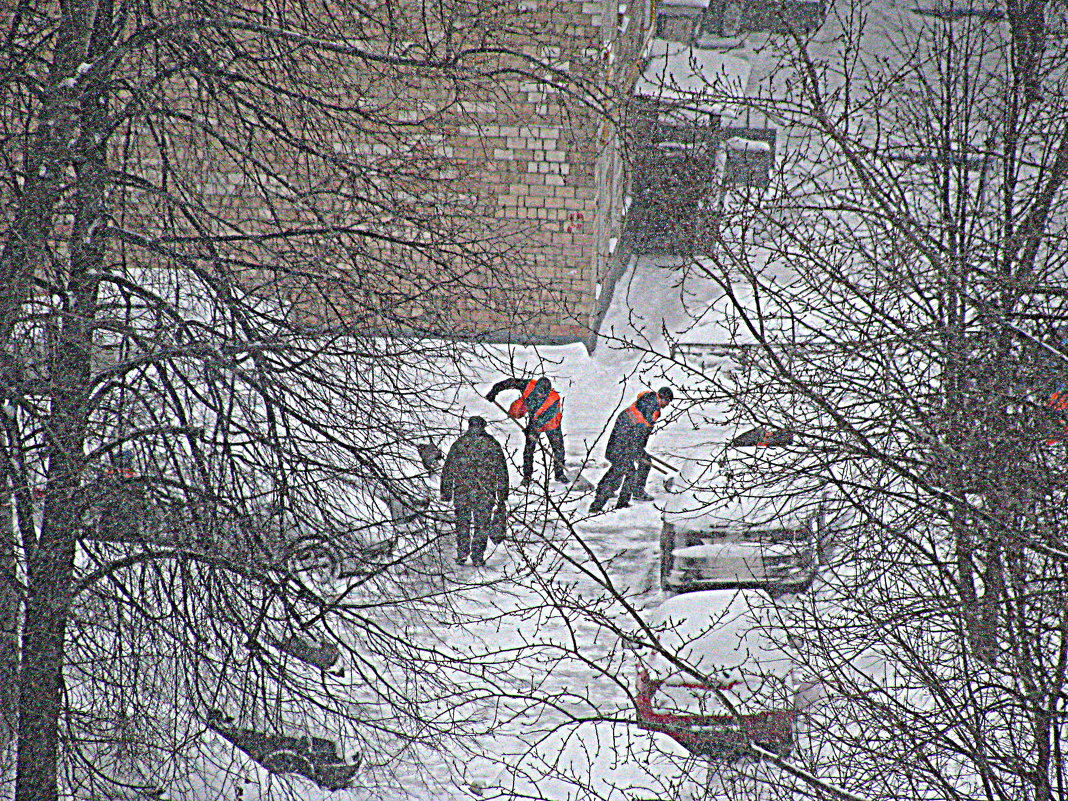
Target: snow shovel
pixel 668 470
pixel 662 466
pixel 575 482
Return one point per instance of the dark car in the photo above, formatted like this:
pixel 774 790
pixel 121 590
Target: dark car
pixel 722 529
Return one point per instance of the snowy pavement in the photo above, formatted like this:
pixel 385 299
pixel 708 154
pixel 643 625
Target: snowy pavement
pixel 541 751
pixel 556 689
pixel 548 751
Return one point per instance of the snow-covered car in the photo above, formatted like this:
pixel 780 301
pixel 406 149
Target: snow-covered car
pixel 756 518
pixel 314 758
pixel 719 683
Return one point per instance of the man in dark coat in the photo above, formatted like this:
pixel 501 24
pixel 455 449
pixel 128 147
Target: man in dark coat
pixel 626 450
pixel 544 409
pixel 475 478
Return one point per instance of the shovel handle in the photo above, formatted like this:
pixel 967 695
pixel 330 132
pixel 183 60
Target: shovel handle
pixel 658 468
pixel 661 465
pixel 522 427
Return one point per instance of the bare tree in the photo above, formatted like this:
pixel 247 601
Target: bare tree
pixel 897 300
pixel 904 280
pixel 226 229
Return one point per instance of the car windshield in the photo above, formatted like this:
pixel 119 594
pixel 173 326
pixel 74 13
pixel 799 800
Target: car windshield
pixel 748 488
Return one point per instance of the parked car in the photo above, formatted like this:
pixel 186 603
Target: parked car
pixel 756 518
pixel 742 689
pixel 315 758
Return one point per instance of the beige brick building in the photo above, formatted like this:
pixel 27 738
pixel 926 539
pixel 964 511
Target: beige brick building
pixel 631 114
pixel 509 167
pixel 550 165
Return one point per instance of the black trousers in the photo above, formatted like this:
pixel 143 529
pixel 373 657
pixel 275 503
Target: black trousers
pixel 627 476
pixel 474 516
pixel 556 444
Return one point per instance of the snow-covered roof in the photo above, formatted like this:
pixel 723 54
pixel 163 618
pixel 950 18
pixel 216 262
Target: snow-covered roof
pixel 666 5
pixel 678 72
pixel 706 510
pixel 703 500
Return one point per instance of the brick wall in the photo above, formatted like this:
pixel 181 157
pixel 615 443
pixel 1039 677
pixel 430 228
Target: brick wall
pixel 517 166
pixel 552 166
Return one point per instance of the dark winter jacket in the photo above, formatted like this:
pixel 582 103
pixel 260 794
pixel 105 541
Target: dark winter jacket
pixel 475 468
pixel 631 432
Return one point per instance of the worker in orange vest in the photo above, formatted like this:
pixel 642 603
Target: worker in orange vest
pixel 625 450
pixel 544 409
pixel 1058 402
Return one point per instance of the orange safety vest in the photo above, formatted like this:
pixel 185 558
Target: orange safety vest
pixel 122 472
pixel 1058 401
pixel 551 411
pixel 637 416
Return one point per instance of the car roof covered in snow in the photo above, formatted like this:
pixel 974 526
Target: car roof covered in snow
pixel 703 496
pixel 720 632
pixel 683 74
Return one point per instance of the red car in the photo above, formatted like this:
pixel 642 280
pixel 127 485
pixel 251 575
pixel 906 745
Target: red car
pixel 719 682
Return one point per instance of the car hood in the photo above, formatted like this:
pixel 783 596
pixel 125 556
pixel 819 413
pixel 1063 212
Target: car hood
pixel 755 552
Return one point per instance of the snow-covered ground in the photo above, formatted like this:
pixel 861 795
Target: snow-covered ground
pixel 538 595
pixel 545 752
pixel 595 387
pixel 572 749
pixel 548 751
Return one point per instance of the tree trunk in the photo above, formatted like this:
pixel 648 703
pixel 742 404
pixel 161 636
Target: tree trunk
pixel 50 563
pixel 45 164
pixel 50 569
pixel 9 622
pixel 47 158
